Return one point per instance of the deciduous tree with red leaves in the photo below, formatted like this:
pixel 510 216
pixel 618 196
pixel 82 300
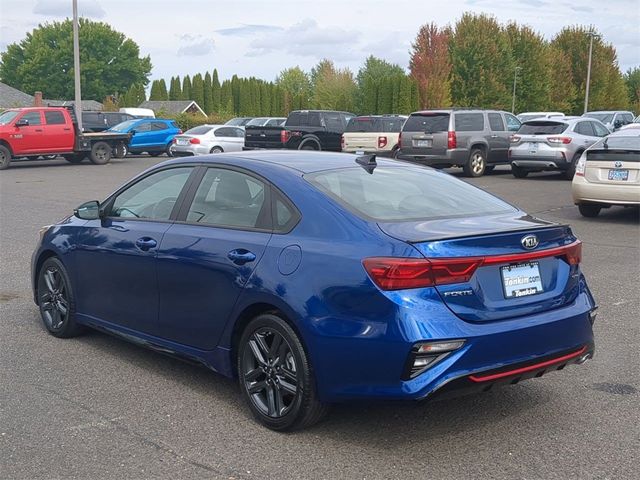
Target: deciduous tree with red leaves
pixel 430 66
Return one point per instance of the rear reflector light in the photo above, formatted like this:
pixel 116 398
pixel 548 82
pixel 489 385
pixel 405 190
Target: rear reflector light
pixel 194 141
pixel 425 355
pixel 391 273
pixel 284 136
pixel 559 140
pixel 382 142
pixel 452 141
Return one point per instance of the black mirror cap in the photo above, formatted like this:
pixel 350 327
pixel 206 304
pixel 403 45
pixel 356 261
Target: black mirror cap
pixel 23 122
pixel 89 210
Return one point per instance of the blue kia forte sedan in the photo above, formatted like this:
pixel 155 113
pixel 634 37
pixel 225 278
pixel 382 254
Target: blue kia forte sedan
pixel 317 277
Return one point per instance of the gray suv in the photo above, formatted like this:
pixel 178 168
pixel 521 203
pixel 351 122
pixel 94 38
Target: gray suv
pixel 476 140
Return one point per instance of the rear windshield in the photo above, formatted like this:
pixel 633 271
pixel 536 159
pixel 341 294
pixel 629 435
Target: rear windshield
pixel 201 130
pixel 375 124
pixel 542 128
pixel 427 122
pixel 622 148
pixel 257 122
pixel 399 194
pixel 603 117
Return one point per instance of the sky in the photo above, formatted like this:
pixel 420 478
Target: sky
pixel 261 38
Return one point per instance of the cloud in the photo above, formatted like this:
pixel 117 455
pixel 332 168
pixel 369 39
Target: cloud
pixel 307 39
pixel 63 8
pixel 195 45
pixel 247 30
pixel 392 47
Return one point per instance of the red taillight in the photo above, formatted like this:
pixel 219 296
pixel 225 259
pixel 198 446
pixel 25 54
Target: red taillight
pixel 284 136
pixel 390 273
pixel 382 142
pixel 341 142
pixel 452 142
pixel 558 140
pixel 194 141
pixel 399 140
pixel 175 140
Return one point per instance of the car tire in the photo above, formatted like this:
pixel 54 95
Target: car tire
pixel 276 377
pixel 5 157
pixel 168 150
pixel 571 170
pixel 476 165
pixel 589 210
pixel 56 300
pixel 100 153
pixel 121 151
pixel 216 150
pixel 75 159
pixel 519 172
pixel 310 146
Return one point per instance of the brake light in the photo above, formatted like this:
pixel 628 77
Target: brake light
pixel 559 140
pixel 285 135
pixel 452 141
pixel 392 273
pixel 194 141
pixel 581 166
pixel 342 142
pixel 175 140
pixel 382 142
pixel 399 140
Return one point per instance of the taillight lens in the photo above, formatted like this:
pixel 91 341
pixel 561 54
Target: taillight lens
pixel 581 166
pixel 194 141
pixel 285 135
pixel 559 140
pixel 382 142
pixel 452 141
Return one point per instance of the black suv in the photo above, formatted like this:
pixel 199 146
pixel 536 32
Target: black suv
pixel 101 121
pixel 476 140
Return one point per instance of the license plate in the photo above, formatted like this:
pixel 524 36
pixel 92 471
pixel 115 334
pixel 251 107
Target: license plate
pixel 619 175
pixel 422 143
pixel 182 142
pixel 521 280
pixel 533 148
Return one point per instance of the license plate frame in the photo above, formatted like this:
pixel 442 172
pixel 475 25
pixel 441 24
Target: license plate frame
pixel 521 280
pixel 533 147
pixel 423 143
pixel 618 175
pixel 182 142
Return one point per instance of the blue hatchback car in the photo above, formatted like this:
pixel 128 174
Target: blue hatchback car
pixel 151 135
pixel 318 277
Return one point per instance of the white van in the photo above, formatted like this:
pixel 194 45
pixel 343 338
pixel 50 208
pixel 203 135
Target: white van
pixel 139 112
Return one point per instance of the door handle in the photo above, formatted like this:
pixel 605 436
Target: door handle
pixel 67 129
pixel 146 243
pixel 38 129
pixel 494 136
pixel 240 256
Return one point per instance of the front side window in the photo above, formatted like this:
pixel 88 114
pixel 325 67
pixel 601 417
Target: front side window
pixel 32 117
pixel 153 197
pixel 143 127
pixel 158 126
pixel 601 130
pixel 226 198
pixel 513 124
pixel 584 128
pixel 123 126
pixel 54 118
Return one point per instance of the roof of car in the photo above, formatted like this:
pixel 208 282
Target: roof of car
pixel 609 111
pixel 302 161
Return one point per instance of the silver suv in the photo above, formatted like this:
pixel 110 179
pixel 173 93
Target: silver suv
pixel 476 140
pixel 553 144
pixel 612 119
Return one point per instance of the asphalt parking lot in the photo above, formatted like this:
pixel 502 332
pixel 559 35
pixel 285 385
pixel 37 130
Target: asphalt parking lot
pixel 98 407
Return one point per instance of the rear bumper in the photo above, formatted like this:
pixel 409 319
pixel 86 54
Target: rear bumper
pixel 608 194
pixel 544 160
pixel 456 156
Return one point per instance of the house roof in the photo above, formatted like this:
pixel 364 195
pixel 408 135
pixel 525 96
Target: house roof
pixel 87 105
pixel 170 106
pixel 12 97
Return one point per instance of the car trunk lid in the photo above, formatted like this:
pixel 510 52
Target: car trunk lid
pixel 614 165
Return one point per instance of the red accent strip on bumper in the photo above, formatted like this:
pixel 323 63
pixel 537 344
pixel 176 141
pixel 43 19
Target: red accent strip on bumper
pixel 535 366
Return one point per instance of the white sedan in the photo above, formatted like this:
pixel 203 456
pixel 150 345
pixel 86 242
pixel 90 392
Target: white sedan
pixel 206 139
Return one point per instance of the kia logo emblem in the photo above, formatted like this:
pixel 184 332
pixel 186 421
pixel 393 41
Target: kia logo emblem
pixel 529 242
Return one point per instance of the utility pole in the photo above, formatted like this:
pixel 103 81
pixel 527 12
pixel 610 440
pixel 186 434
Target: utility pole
pixel 513 101
pixel 76 67
pixel 592 35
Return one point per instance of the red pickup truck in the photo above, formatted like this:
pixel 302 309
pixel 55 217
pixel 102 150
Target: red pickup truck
pixel 44 131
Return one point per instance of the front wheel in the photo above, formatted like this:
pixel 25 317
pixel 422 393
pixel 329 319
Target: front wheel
pixel 100 153
pixel 55 299
pixel 519 172
pixel 276 377
pixel 476 165
pixel 121 151
pixel 589 210
pixel 5 157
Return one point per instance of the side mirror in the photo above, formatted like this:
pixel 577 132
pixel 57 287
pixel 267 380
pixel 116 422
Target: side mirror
pixel 617 124
pixel 88 210
pixel 23 122
pixel 134 131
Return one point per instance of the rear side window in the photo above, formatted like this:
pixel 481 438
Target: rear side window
pixel 542 128
pixel 428 123
pixel 469 122
pixel 495 122
pixel 333 122
pixel 54 118
pixel 584 128
pixel 393 194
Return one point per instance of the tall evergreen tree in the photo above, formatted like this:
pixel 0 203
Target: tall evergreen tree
pixel 215 92
pixel 208 100
pixel 197 90
pixel 175 90
pixel 369 80
pixel 226 98
pixel 186 88
pixel 158 90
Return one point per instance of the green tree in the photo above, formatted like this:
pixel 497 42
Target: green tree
pixel 369 81
pixel 562 89
pixel 215 91
pixel 333 89
pixel 430 66
pixel 632 80
pixel 43 61
pixel 186 88
pixel 296 88
pixel 175 89
pixel 482 65
pixel 208 99
pixel 197 90
pixel 158 90
pixel 226 98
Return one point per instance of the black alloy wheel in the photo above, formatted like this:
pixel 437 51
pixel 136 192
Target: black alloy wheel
pixel 55 299
pixel 275 375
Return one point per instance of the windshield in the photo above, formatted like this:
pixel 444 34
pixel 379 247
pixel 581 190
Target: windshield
pixel 258 122
pixel 238 121
pixel 124 126
pixel 542 128
pixel 603 117
pixel 201 130
pixel 8 116
pixel 399 194
pixel 429 123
